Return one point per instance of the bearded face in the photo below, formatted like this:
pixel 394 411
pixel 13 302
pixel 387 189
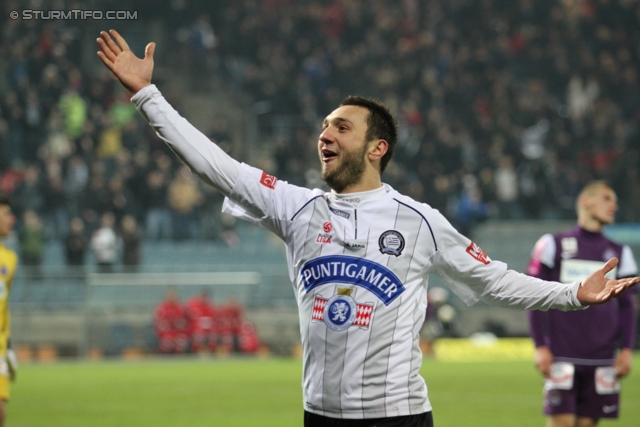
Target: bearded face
pixel 342 147
pixel 347 171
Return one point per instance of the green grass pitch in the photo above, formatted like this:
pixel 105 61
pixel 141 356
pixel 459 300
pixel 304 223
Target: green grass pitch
pixel 194 392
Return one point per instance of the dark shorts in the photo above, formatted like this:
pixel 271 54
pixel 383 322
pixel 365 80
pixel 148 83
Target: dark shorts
pixel 421 420
pixel 585 398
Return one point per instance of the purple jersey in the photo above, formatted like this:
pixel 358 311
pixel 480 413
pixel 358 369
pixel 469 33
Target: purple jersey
pixel 589 336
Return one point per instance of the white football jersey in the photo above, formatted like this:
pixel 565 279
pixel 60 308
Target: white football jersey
pixel 359 265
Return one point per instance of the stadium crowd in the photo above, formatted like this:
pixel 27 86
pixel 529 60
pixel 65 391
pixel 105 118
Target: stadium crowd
pixel 506 108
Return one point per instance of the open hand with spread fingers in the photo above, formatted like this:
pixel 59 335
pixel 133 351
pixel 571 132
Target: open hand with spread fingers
pixel 597 289
pixel 134 73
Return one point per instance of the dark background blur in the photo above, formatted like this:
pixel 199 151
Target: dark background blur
pixel 506 108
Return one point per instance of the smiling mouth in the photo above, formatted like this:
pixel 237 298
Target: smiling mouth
pixel 328 155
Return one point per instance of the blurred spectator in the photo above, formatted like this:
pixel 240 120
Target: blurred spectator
pixel 506 180
pixel 170 324
pixel 229 234
pixel 54 208
pixel 32 236
pixel 229 318
pixel 440 317
pixel 74 110
pixel 119 199
pixel 184 198
pixel 471 209
pixel 104 243
pixel 248 341
pixel 76 179
pixel 154 198
pixel 76 243
pixel 131 241
pixel 201 44
pixel 29 193
pixel 202 318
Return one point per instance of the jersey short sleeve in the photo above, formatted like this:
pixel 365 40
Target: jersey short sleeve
pixel 262 199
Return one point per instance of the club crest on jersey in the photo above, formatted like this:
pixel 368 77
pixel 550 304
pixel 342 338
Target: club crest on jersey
pixel 341 311
pixel 478 254
pixel 350 270
pixel 3 270
pixel 391 242
pixel 268 181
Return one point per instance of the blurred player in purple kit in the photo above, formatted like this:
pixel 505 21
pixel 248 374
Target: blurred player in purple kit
pixel 577 351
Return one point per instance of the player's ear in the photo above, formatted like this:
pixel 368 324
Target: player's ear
pixel 377 150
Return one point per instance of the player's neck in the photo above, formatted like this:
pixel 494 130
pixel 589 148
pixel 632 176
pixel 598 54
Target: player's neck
pixel 369 182
pixel 591 224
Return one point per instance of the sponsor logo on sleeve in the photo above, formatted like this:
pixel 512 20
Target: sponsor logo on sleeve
pixel 327 227
pixel 533 269
pixel 478 254
pixel 536 258
pixel 391 242
pixel 350 270
pixel 268 181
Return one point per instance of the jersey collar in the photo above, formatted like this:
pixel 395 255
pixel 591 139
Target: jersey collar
pixel 354 199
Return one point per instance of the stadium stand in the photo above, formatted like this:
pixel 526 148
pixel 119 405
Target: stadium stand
pixel 506 109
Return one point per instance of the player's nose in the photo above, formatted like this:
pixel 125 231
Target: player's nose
pixel 327 136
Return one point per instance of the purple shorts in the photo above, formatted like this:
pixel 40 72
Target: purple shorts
pixel 587 397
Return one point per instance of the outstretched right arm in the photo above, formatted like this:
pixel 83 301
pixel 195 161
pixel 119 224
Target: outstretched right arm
pixel 206 159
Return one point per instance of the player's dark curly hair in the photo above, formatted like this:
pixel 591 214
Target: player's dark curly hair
pixel 5 200
pixel 380 124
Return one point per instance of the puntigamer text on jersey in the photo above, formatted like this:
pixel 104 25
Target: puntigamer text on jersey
pixel 370 275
